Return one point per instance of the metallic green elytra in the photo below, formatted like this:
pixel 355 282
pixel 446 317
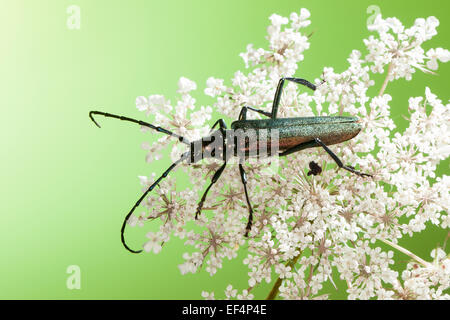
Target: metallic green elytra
pixel 294 131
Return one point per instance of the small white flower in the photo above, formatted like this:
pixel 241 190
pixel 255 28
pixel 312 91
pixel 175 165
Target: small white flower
pixel 434 55
pixel 185 85
pixel 438 254
pixel 278 20
pixel 245 295
pixel 154 244
pixel 208 295
pixel 230 292
pixel 214 87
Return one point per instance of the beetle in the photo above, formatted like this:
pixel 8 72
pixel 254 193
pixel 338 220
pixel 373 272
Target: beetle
pixel 294 134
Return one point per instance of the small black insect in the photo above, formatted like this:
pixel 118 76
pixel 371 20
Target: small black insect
pixel 314 169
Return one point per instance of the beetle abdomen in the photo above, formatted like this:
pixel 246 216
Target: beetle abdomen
pixel 294 131
pixel 328 133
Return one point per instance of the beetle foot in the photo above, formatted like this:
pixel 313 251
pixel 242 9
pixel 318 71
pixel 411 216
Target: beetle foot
pixel 199 210
pixel 248 228
pixel 352 169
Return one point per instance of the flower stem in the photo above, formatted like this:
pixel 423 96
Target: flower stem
pixel 311 272
pixel 386 80
pixel 274 292
pixel 405 251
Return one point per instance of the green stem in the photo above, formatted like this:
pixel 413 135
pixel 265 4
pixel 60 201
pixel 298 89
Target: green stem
pixel 407 252
pixel 274 292
pixel 312 270
pixel 386 80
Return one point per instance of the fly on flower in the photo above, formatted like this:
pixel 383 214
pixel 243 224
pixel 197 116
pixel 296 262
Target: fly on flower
pixel 255 138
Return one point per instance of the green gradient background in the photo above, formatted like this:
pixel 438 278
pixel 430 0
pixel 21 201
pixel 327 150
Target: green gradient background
pixel 66 185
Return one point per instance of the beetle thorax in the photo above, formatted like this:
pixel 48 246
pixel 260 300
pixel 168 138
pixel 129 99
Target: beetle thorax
pixel 224 144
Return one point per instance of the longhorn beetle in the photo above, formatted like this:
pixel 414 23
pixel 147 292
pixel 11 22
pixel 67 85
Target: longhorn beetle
pixel 294 134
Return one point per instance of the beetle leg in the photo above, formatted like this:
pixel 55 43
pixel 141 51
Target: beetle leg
pixel 213 180
pixel 338 161
pixel 221 123
pixel 250 209
pixel 316 143
pixel 222 126
pixel 277 97
pixel 243 114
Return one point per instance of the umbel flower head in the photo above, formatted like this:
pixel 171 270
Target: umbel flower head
pixel 310 229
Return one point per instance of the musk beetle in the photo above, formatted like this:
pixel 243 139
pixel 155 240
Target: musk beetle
pixel 284 135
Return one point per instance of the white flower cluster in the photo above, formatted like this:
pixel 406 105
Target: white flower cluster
pixel 286 47
pixel 309 229
pixel 401 48
pixel 181 118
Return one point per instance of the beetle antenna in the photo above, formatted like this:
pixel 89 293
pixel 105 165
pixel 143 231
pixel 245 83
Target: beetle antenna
pixel 122 230
pixel 142 123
